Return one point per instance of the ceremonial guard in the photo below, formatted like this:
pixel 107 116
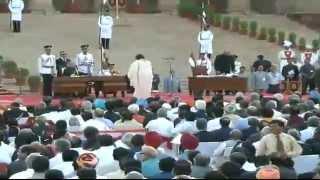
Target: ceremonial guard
pixel 202 63
pixel 16 7
pixel 47 69
pixel 286 54
pixel 85 61
pixel 309 55
pixel 105 23
pixel 205 38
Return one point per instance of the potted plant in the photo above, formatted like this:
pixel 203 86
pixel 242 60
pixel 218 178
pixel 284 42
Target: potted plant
pixel 262 34
pixel 244 28
pixel 293 38
pixel 185 8
pixel 217 20
pixel 21 76
pixel 143 6
pixel 253 28
pixel 226 24
pixel 272 35
pixel 34 83
pixel 10 69
pixel 316 44
pixel 235 24
pixel 302 44
pixel 281 37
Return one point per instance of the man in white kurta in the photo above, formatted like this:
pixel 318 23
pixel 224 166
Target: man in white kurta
pixel 47 69
pixel 202 61
pixel 205 38
pixel 309 55
pixel 105 23
pixel 285 54
pixel 85 61
pixel 16 7
pixel 141 76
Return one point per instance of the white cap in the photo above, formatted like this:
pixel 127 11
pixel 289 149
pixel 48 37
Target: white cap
pixel 200 104
pixel 193 109
pixel 134 108
pixel 166 106
pixel 287 43
pixel 309 46
pixel 182 104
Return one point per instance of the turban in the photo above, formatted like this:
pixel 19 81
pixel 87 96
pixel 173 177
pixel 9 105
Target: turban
pixel 152 139
pixel 87 160
pixel 189 141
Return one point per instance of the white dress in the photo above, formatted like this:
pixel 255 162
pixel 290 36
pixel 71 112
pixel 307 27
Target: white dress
pixel 205 39
pixel 140 75
pixel 105 23
pixel 16 7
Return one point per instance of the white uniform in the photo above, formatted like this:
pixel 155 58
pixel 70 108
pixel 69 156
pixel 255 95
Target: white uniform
pixel 284 55
pixel 141 76
pixel 309 55
pixel 85 63
pixel 205 39
pixel 47 64
pixel 105 23
pixel 16 7
pixel 206 62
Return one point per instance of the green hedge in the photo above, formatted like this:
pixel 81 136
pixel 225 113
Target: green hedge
pixel 293 38
pixel 272 34
pixel 226 23
pixel 244 27
pixel 302 43
pixel 235 24
pixel 263 34
pixel 316 44
pixel 253 28
pixel 281 37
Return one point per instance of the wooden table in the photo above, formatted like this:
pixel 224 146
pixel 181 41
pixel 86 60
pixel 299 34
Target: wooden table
pixel 82 85
pixel 217 83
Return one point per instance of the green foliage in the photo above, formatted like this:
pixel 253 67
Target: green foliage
pixel 253 28
pixel 226 24
pixel 244 27
pixel 281 37
pixel 187 7
pixel 302 43
pixel 263 34
pixel 34 83
pixel 59 5
pixel 10 68
pixel 293 38
pixel 217 20
pixel 316 44
pixel 272 34
pixel 235 24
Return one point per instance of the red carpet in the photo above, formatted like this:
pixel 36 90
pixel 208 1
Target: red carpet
pixel 35 99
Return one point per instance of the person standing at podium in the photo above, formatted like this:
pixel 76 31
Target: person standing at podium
pixel 203 62
pixel 85 61
pixel 47 69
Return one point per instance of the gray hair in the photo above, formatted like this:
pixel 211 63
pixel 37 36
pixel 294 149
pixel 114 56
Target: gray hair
pixel 201 160
pixel 294 133
pixel 86 106
pixel 62 144
pixel 99 113
pixel 254 96
pixel 201 124
pixel 126 139
pixel 30 159
pixel 313 121
pixel 162 112
pixel 235 134
pixel 272 104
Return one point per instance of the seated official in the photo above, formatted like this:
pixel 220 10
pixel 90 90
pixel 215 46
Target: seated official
pixel 70 69
pixel 224 63
pixel 203 62
pixel 61 63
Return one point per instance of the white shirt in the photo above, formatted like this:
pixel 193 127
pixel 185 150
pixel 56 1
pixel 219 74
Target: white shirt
pixel 106 162
pixel 101 126
pixel 309 55
pixel 162 126
pixel 274 78
pixel 213 124
pixel 27 174
pixel 47 64
pixel 185 127
pixel 105 23
pixel 205 39
pixel 307 133
pixel 173 114
pixel 16 7
pixel 66 168
pixel 85 63
pixel 56 160
pixel 6 152
pixel 206 62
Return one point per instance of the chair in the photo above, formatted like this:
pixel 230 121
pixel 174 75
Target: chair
pixel 305 163
pixel 207 148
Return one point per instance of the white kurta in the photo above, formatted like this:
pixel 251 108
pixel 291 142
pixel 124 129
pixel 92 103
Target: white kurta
pixel 85 63
pixel 47 64
pixel 309 55
pixel 16 7
pixel 205 39
pixel 206 62
pixel 283 56
pixel 105 23
pixel 140 75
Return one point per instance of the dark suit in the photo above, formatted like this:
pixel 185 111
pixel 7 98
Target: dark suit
pixel 221 134
pixel 265 63
pixel 290 68
pixel 248 132
pixel 60 64
pixel 13 114
pixel 205 136
pixel 224 63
